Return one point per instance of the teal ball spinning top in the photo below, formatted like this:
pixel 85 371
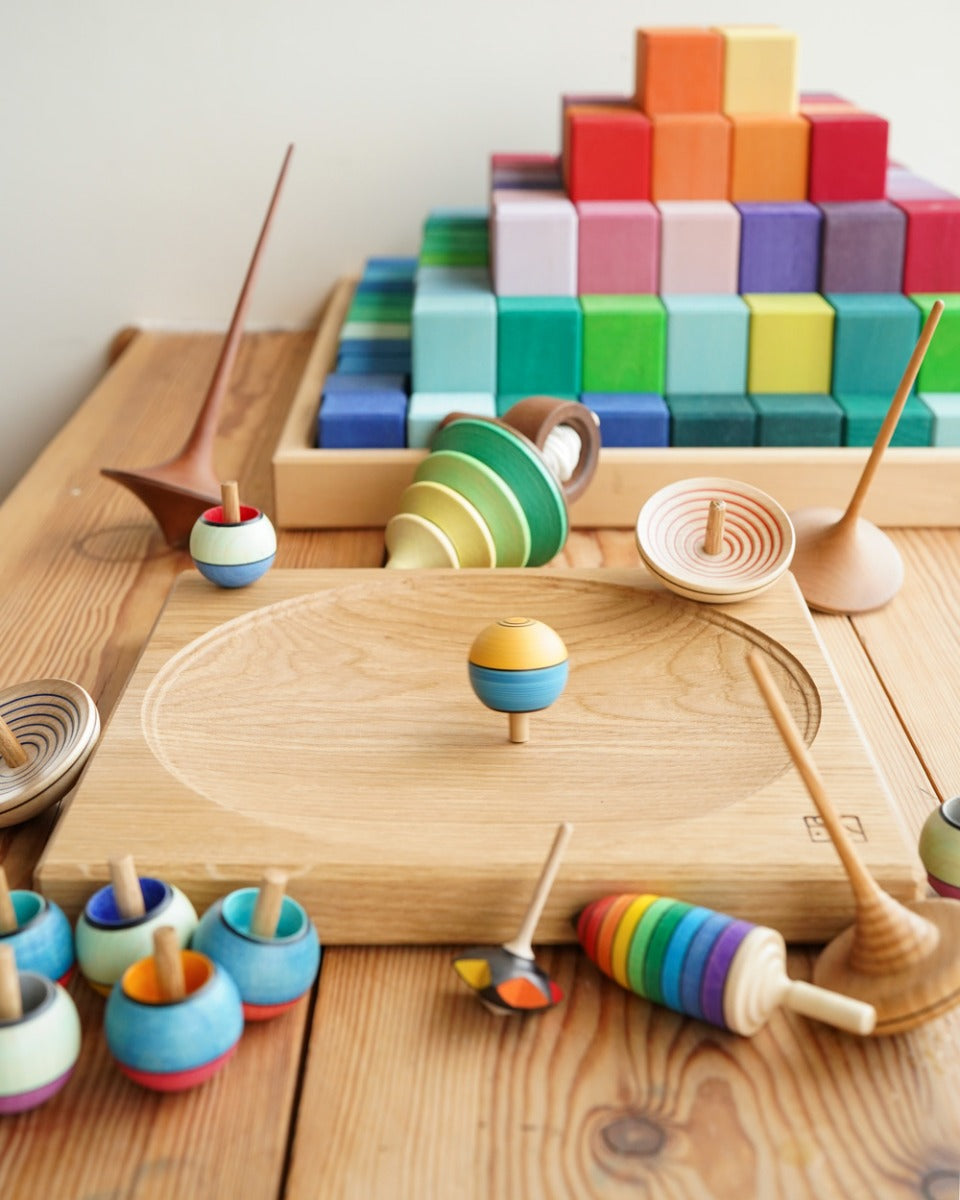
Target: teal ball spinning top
pixel 518 666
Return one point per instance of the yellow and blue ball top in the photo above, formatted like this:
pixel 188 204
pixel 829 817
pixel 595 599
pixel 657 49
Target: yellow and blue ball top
pixel 517 644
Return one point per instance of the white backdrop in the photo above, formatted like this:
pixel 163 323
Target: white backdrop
pixel 140 142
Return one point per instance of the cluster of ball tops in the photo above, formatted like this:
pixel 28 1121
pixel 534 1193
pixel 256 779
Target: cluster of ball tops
pixel 251 956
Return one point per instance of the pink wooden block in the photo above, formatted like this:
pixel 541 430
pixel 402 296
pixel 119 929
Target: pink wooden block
pixel 699 246
pixel 619 247
pixel 533 243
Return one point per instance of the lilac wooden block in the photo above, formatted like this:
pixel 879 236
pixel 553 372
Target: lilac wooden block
pixel 533 243
pixel 539 172
pixel 619 247
pixel 779 247
pixel 699 246
pixel 902 184
pixel 863 246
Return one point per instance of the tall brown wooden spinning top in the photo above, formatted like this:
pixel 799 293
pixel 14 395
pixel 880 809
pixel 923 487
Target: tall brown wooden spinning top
pixel 843 563
pixel 179 490
pixel 902 959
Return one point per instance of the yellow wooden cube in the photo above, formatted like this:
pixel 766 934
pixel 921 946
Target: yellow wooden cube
pixel 791 343
pixel 759 69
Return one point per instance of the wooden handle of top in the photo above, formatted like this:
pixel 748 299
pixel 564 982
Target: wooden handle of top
pixel 833 1008
pixel 522 943
pixel 126 887
pixel 889 425
pixel 266 911
pixel 11 751
pixel 11 1000
pixel 169 964
pixel 716 514
pixel 230 499
pixel 8 915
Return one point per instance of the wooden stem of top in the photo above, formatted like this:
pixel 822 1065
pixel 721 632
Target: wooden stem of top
pixel 519 727
pixel 893 416
pixel 887 937
pixel 230 499
pixel 169 964
pixel 266 911
pixel 833 1008
pixel 522 944
pixel 8 915
pixel 11 751
pixel 126 888
pixel 11 1000
pixel 716 515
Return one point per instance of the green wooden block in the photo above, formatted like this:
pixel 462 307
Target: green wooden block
pixel 945 407
pixel 873 338
pixel 712 421
pixel 624 343
pixel 798 420
pixel 539 345
pixel 371 307
pixel 863 416
pixel 940 371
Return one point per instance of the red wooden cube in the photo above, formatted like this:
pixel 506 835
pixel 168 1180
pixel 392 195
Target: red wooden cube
pixel 848 155
pixel 932 258
pixel 606 153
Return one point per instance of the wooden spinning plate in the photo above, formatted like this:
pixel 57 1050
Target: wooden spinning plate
pixel 322 722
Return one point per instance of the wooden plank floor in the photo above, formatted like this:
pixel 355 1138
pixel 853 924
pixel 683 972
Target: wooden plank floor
pixel 396 1084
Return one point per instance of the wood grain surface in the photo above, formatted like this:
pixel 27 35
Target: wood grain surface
pixel 409 1088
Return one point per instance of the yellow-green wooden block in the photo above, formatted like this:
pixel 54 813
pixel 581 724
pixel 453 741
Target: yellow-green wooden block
pixel 791 343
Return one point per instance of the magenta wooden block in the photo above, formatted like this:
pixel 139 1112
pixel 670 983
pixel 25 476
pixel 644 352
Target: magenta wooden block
pixel 699 246
pixel 932 259
pixel 779 246
pixel 863 246
pixel 533 243
pixel 619 247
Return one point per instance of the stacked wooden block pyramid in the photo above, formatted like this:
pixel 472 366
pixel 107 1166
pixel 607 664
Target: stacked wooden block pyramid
pixel 712 261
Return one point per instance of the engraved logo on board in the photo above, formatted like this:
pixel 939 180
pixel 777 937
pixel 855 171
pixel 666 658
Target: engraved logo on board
pixel 850 821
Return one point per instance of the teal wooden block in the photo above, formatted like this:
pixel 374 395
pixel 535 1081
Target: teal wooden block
pixel 798 420
pixel 945 407
pixel 539 345
pixel 506 401
pixel 863 416
pixel 707 341
pixel 624 343
pixel 873 337
pixel 427 409
pixel 454 341
pixel 712 421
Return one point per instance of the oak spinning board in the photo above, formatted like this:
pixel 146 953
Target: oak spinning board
pixel 322 722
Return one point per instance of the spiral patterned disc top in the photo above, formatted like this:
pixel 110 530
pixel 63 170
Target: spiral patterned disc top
pixel 757 544
pixel 56 722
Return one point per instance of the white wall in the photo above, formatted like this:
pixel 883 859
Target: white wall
pixel 140 141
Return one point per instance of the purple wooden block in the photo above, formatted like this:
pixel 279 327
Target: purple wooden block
pixel 715 972
pixel 779 246
pixel 863 246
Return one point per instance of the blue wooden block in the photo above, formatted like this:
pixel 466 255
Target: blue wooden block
pixel 389 267
pixel 798 420
pixel 707 341
pixel 945 407
pixel 454 341
pixel 362 420
pixel 337 382
pixel 779 247
pixel 873 338
pixel 373 358
pixel 712 421
pixel 630 419
pixel 427 409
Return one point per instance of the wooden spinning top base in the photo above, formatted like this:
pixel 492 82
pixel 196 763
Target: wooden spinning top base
pixel 844 565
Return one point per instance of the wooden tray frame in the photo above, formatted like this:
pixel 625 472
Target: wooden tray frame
pixel 333 489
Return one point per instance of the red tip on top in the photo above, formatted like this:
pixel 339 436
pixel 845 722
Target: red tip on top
pixel 214 516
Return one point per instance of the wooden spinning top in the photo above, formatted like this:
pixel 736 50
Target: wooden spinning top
pixel 843 563
pixel 902 959
pixel 567 434
pixel 714 540
pixel 506 978
pixel 233 544
pixel 179 490
pixel 518 666
pixel 48 728
pixel 940 848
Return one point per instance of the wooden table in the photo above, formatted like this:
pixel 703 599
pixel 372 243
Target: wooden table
pixel 392 1081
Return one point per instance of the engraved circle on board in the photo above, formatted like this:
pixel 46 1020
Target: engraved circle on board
pixel 354 704
pixel 757 545
pixel 56 722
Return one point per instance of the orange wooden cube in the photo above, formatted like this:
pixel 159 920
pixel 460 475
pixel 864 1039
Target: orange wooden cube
pixel 690 157
pixel 679 70
pixel 769 153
